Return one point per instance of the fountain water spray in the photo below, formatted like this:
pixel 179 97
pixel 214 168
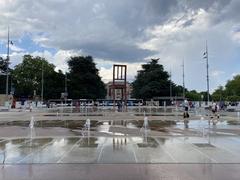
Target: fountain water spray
pixel 86 127
pixel 31 124
pixel 202 124
pixel 145 123
pixel 145 127
pixel 32 130
pixel 88 124
pixel 176 111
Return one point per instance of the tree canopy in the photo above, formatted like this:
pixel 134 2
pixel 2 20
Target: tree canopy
pixel 84 79
pixel 3 70
pixel 231 91
pixel 193 95
pixel 3 65
pixel 27 78
pixel 151 81
pixel 2 77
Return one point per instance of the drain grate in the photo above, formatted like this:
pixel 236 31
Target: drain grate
pixel 203 145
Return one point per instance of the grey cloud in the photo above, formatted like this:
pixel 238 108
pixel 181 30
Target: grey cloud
pixel 221 10
pixel 126 53
pixel 73 23
pixel 109 50
pixel 231 12
pixel 188 23
pixel 206 4
pixel 103 28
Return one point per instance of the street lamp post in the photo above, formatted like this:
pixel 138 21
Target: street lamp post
pixel 183 75
pixel 205 56
pixel 42 79
pixel 170 85
pixel 66 90
pixel 7 72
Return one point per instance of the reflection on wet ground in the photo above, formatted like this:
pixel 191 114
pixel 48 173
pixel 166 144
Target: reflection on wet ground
pixel 121 149
pixel 119 141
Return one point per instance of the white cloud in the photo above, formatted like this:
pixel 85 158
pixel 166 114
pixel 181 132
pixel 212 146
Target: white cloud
pixel 59 59
pixel 217 73
pixel 38 39
pixel 16 48
pixel 106 69
pixel 236 36
pixel 234 74
pixel 183 37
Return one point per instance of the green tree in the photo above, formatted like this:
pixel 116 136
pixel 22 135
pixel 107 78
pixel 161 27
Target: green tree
pixel 233 86
pixel 2 84
pixel 178 90
pixel 54 85
pixel 84 79
pixel 27 78
pixel 204 96
pixel 233 98
pixel 231 91
pixel 3 68
pixel 3 65
pixel 151 81
pixel 219 94
pixel 193 95
pixel 2 78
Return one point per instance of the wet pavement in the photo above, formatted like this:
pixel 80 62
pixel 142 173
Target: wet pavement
pixel 159 150
pixel 121 172
pixel 121 149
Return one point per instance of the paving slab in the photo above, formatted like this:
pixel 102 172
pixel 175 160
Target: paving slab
pixel 121 172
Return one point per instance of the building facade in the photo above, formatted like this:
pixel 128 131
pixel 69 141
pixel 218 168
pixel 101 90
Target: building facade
pixel 118 92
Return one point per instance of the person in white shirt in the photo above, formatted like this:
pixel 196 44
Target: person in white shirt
pixel 186 107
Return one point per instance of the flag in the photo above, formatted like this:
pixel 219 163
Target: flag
pixel 205 55
pixel 11 42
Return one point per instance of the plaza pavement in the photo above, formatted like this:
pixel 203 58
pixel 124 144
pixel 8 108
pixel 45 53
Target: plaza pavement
pixel 200 151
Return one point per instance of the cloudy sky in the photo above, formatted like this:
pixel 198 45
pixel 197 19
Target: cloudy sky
pixel 129 32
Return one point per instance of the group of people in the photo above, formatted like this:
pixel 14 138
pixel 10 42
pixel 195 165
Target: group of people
pixel 120 106
pixel 214 108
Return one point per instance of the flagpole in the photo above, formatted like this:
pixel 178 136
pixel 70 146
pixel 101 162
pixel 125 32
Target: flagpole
pixel 171 85
pixel 7 64
pixel 42 81
pixel 183 75
pixel 207 73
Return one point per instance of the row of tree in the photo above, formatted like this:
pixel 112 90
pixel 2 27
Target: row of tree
pixel 83 81
pixel 153 81
pixel 229 92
